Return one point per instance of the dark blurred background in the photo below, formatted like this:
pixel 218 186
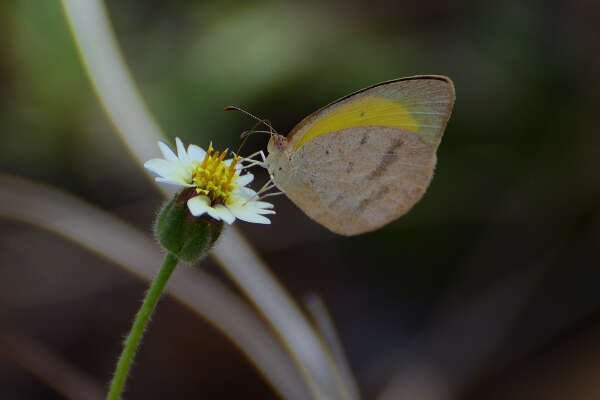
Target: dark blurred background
pixel 487 289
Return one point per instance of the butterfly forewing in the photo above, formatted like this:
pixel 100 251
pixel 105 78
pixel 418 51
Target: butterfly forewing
pixel 420 104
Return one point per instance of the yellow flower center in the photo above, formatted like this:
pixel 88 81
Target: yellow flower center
pixel 213 178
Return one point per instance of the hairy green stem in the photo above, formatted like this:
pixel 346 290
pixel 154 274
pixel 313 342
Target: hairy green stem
pixel 139 326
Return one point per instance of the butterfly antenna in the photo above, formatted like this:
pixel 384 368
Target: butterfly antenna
pixel 246 134
pixel 251 131
pixel 260 120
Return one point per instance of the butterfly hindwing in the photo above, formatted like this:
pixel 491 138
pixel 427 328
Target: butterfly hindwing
pixel 358 179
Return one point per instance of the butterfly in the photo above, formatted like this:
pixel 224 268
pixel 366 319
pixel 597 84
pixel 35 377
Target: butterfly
pixel 364 160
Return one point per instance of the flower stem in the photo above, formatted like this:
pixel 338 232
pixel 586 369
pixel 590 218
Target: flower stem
pixel 139 325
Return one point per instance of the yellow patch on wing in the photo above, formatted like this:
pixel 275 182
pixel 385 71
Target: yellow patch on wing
pixel 366 111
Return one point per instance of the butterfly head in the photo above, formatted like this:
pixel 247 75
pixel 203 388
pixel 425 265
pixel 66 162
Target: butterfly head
pixel 277 143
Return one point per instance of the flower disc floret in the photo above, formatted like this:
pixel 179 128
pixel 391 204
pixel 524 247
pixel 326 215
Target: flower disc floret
pixel 213 178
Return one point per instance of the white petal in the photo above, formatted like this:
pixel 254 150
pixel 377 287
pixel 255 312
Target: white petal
pixel 244 192
pixel 247 215
pixel 199 205
pixel 243 180
pixel 181 153
pixel 161 167
pixel 244 209
pixel 184 174
pixel 170 170
pixel 259 210
pixel 221 212
pixel 262 204
pixel 262 211
pixel 196 153
pixel 173 182
pixel 167 152
pixel 257 207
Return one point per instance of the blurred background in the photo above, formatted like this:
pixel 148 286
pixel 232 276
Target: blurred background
pixel 488 288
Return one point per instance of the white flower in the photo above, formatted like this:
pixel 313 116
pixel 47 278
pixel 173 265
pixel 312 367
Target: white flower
pixel 219 189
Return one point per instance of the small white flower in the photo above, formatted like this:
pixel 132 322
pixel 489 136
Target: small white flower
pixel 218 186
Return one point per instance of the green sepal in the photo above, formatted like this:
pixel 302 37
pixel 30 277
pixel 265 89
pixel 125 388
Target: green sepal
pixel 188 237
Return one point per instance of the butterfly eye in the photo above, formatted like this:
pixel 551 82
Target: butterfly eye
pixel 277 143
pixel 281 142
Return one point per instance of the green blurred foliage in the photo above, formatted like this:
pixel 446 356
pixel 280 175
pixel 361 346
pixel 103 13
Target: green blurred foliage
pixel 44 93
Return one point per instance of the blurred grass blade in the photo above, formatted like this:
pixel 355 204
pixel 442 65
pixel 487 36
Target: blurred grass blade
pixel 246 268
pixel 50 367
pixel 322 319
pixel 110 78
pixel 121 100
pixel 124 245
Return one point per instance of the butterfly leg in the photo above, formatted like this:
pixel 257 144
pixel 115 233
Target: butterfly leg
pixel 265 188
pixel 271 194
pixel 252 162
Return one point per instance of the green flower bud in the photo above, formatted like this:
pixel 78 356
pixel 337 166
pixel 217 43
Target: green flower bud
pixel 188 237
